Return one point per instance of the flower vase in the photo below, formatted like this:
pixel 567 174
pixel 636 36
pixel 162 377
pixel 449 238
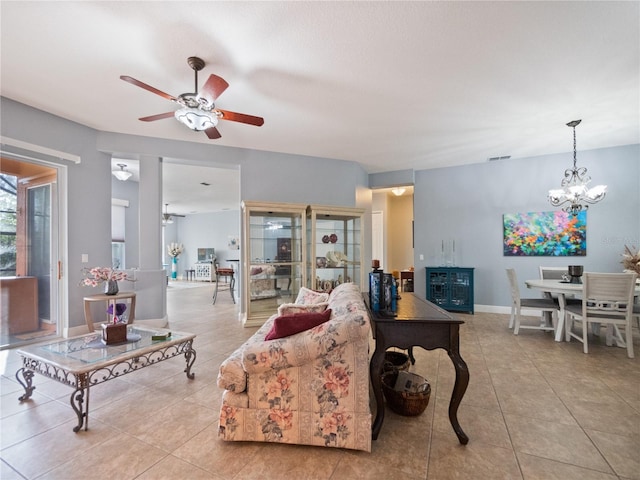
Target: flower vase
pixel 174 268
pixel 111 287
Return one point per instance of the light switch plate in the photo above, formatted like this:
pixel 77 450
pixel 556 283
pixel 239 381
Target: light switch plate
pixel 85 258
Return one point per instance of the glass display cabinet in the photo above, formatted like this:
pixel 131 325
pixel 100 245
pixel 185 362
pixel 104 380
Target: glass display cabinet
pixel 273 257
pixel 334 246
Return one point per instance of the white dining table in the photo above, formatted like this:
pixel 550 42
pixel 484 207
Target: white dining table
pixel 560 288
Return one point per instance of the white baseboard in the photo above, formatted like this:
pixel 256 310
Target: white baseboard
pixel 492 309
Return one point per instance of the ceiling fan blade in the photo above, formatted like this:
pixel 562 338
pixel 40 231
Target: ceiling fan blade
pixel 241 117
pixel 159 116
pixel 140 84
pixel 213 88
pixel 212 133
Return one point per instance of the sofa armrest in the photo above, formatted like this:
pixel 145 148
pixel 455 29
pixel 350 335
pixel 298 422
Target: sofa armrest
pixel 305 347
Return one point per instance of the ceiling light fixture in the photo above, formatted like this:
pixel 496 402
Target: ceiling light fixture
pixel 398 191
pixel 575 190
pixel 122 174
pixel 196 112
pixel 166 218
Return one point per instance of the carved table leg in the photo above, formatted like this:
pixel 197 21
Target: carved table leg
pixel 462 381
pixel 77 402
pixel 27 375
pixel 190 357
pixel 375 371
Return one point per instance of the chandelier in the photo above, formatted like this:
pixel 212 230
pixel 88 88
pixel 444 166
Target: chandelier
pixel 575 190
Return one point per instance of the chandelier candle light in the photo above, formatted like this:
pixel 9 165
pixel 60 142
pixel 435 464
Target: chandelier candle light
pixel 174 250
pixel 575 190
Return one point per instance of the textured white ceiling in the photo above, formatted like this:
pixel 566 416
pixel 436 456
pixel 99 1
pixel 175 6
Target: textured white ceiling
pixel 391 85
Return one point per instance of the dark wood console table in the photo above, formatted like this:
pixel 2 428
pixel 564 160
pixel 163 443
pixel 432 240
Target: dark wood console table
pixel 418 323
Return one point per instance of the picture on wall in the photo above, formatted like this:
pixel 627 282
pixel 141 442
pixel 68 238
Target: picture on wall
pixel 552 234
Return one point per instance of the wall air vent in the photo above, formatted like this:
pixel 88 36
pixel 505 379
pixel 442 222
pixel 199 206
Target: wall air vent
pixel 494 159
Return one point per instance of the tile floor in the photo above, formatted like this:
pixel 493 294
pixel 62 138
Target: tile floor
pixel 535 409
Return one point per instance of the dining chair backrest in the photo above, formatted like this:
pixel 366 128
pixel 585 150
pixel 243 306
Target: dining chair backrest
pixel 513 284
pixel 608 294
pixel 553 273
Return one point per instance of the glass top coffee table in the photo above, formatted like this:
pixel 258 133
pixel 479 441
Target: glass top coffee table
pixel 84 361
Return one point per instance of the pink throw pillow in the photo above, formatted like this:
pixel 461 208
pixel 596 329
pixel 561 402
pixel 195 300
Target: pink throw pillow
pixel 288 325
pixel 291 308
pixel 307 297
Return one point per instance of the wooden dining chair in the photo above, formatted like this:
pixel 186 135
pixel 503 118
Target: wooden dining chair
pixel 607 299
pixel 538 304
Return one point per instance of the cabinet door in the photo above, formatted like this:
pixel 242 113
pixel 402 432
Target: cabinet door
pixel 274 250
pixel 438 287
pixel 461 287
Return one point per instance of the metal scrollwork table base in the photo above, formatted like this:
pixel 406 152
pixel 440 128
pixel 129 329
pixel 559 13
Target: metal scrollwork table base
pixel 82 362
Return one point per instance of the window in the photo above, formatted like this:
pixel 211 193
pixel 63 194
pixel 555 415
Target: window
pixel 8 222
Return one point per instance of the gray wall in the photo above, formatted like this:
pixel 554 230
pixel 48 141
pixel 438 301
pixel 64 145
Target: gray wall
pixel 265 176
pixel 461 203
pixel 208 230
pixel 467 204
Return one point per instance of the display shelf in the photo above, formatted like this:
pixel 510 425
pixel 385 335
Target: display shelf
pixel 334 246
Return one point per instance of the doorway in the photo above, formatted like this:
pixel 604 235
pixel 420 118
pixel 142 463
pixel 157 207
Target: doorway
pixel 28 246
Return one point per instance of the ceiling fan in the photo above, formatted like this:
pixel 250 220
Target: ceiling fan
pixel 168 217
pixel 197 110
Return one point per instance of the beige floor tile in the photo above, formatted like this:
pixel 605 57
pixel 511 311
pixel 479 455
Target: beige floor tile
pixel 618 418
pixel 536 468
pixel 156 423
pixel 621 452
pixel 474 461
pixel 48 450
pixel 172 426
pixel 352 467
pixel 34 421
pixel 126 409
pixel 206 451
pixel 481 425
pixel 274 462
pixel 10 405
pixel 554 441
pixel 172 468
pixel 120 457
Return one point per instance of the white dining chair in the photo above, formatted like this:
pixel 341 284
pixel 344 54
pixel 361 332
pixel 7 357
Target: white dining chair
pixel 538 304
pixel 607 299
pixel 556 273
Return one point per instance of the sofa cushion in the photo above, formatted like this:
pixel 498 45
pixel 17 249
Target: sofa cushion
pixel 307 296
pixel 288 325
pixel 291 308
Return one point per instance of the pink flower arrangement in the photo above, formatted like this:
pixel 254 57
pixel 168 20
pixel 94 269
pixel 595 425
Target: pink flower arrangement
pixel 97 275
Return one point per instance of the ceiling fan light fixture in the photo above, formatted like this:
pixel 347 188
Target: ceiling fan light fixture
pixel 166 217
pixel 196 119
pixel 398 191
pixel 122 174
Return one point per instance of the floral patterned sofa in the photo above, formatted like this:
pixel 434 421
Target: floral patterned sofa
pixel 309 388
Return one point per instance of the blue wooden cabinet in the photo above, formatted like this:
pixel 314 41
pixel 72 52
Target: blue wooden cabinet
pixel 451 288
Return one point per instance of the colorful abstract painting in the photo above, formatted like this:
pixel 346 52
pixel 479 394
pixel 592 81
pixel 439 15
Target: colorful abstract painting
pixel 554 234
